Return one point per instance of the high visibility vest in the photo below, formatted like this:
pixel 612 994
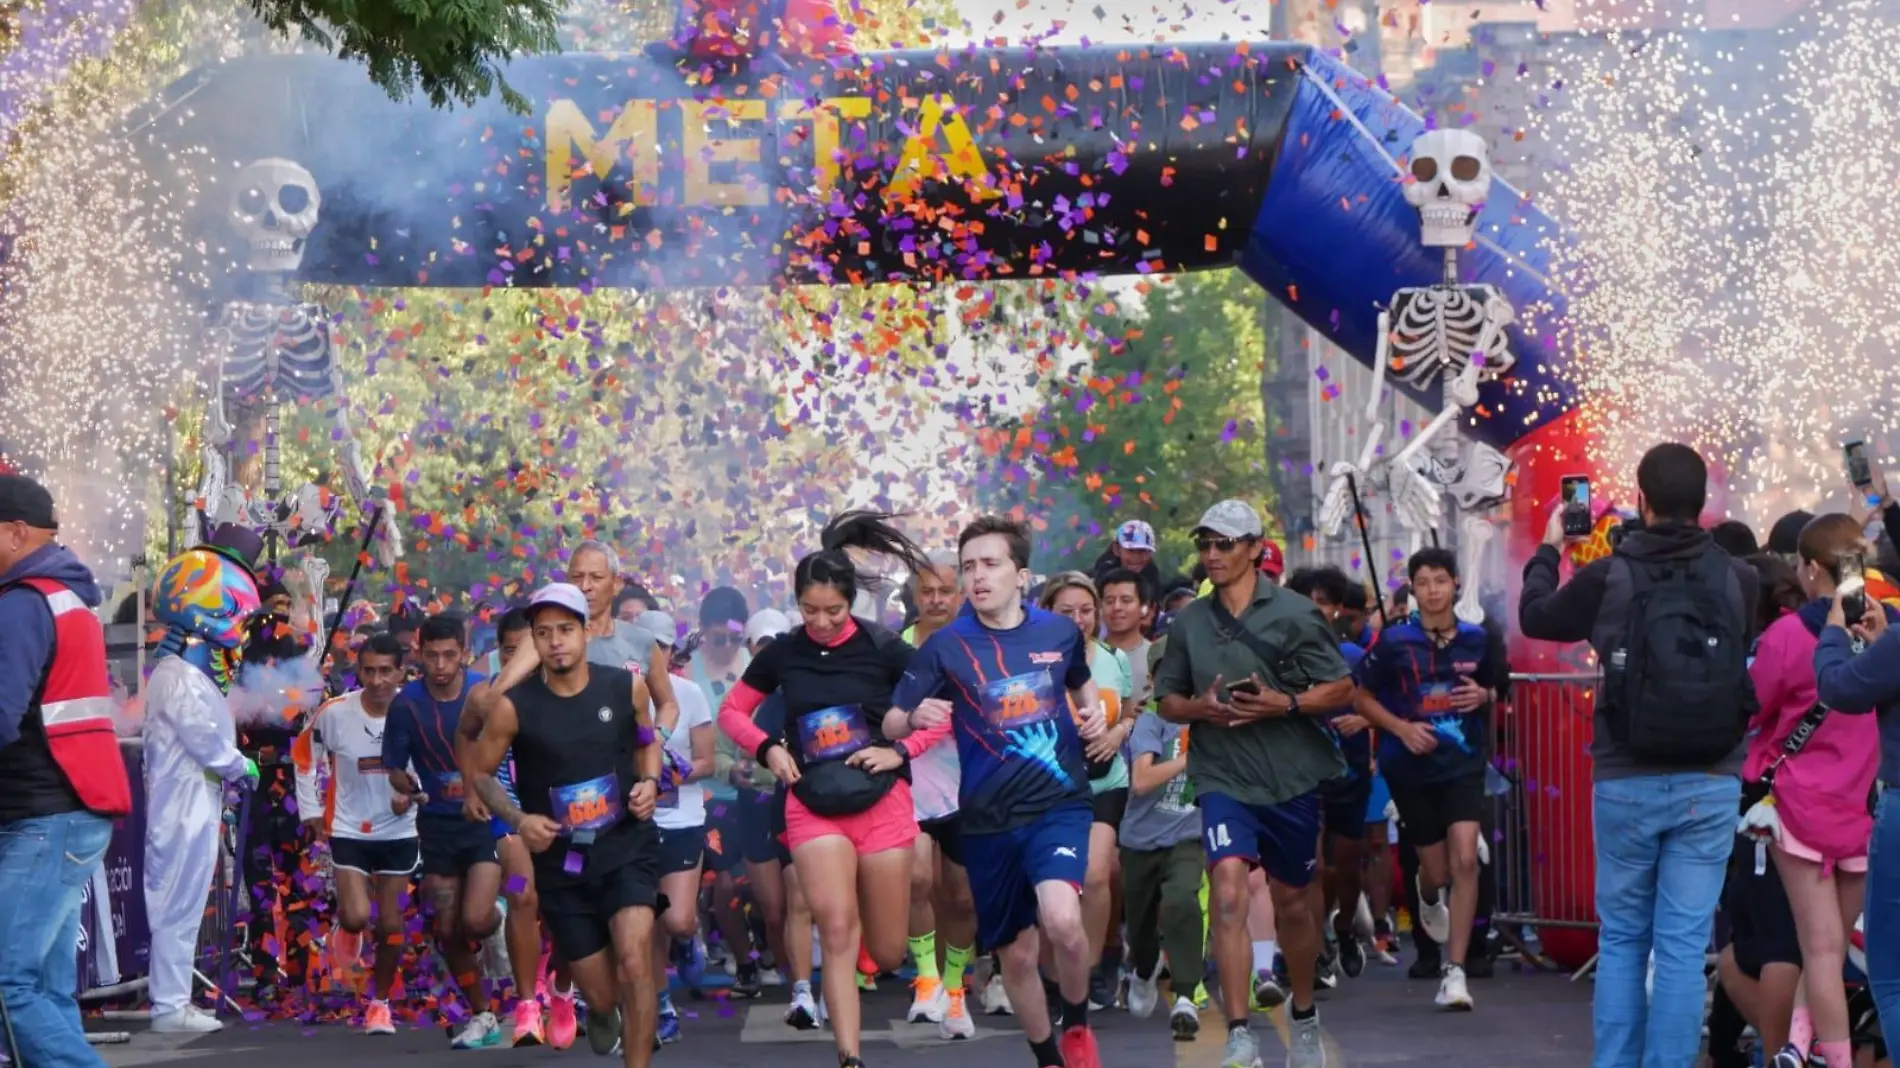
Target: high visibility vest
pixel 74 703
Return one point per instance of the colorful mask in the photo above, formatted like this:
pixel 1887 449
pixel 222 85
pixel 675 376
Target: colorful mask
pixel 204 597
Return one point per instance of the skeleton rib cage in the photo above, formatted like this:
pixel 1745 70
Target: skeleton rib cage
pixel 1436 329
pixel 275 354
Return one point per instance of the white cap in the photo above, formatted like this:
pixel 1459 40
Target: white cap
pixel 767 623
pixel 560 595
pixel 660 625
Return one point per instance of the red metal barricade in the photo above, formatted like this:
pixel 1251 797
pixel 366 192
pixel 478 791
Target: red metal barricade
pixel 1545 863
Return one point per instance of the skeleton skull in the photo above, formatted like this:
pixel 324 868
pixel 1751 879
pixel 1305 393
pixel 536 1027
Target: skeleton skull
pixel 274 206
pixel 1451 176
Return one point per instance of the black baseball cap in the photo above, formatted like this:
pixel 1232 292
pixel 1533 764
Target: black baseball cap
pixel 23 500
pixel 1785 536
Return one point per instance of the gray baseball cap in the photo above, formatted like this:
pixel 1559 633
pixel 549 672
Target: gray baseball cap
pixel 1231 519
pixel 660 625
pixel 559 595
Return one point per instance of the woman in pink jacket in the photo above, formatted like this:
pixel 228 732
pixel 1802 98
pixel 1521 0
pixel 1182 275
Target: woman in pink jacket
pixel 1820 793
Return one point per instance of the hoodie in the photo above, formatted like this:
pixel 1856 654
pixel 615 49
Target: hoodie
pixel 1821 792
pixel 31 784
pixel 1870 679
pixel 1568 613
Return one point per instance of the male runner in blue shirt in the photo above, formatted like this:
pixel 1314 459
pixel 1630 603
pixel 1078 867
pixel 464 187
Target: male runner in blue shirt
pixel 1006 677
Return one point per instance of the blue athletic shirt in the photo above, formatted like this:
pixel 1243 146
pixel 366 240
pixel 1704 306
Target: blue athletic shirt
pixel 419 733
pixel 1357 749
pixel 1020 752
pixel 1413 678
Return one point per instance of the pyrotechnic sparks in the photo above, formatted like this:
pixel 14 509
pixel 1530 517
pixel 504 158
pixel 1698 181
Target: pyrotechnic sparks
pixel 1733 254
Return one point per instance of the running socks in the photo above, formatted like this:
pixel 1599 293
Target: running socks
pixel 923 954
pixel 956 961
pixel 1263 953
pixel 1236 1025
pixel 1303 1014
pixel 1075 1014
pixel 1047 1053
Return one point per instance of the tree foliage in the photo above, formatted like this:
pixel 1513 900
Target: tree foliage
pixel 1164 419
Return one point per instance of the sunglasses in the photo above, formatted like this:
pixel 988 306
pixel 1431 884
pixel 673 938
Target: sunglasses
pixel 1226 545
pixel 721 641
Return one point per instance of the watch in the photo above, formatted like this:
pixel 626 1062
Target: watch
pixel 1292 704
pixel 654 779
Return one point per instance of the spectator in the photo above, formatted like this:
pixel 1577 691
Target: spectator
pixel 62 780
pixel 1735 538
pixel 1272 560
pixel 1134 549
pixel 1784 538
pixel 1661 819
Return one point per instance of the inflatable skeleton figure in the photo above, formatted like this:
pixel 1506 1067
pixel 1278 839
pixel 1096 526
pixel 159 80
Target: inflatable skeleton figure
pixel 1453 332
pixel 273 350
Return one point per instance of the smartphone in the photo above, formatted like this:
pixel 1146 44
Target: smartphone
pixel 1853 586
pixel 1575 490
pixel 1246 686
pixel 1860 471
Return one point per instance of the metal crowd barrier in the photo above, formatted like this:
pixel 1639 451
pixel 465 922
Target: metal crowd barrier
pixel 1541 859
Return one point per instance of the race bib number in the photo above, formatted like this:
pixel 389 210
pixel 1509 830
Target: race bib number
pixel 1434 698
pixel 594 805
pixel 370 765
pixel 1020 700
pixel 833 733
pixel 442 785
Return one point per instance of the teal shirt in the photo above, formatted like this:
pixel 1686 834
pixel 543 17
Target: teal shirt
pixel 1110 668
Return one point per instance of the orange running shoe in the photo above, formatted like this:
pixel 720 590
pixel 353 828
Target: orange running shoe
pixel 528 1023
pixel 376 1019
pixel 1079 1049
pixel 563 1026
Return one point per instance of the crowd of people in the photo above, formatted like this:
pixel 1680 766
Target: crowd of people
pixel 1040 796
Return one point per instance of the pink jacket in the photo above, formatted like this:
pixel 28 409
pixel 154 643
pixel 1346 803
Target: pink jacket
pixel 1821 794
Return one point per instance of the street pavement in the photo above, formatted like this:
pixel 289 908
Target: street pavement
pixel 1381 1019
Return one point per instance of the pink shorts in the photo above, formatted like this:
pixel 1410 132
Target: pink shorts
pixel 1800 850
pixel 889 824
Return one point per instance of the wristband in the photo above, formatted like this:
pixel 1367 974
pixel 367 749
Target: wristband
pixel 765 747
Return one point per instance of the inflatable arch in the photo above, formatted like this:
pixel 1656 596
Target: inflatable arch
pixel 975 163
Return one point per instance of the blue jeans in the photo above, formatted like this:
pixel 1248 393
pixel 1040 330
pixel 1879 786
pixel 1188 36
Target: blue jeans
pixel 1662 849
pixel 45 863
pixel 1883 912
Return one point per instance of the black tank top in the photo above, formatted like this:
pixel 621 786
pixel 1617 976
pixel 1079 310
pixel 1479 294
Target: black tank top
pixel 574 763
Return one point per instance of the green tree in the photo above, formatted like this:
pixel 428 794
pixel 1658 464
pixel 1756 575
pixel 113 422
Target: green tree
pixel 1162 420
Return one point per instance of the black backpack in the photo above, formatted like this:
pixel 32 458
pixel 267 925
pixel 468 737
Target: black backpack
pixel 1676 689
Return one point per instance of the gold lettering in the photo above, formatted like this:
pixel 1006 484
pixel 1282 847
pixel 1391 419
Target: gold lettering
pixel 827 128
pixel 569 133
pixel 702 150
pixel 957 157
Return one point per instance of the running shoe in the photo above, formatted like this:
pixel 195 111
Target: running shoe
pixel 689 960
pixel 1305 1048
pixel 956 1022
pixel 482 1032
pixel 1451 990
pixel 746 984
pixel 563 1023
pixel 1243 1050
pixel 867 982
pixel 824 1014
pixel 1101 989
pixel 928 1002
pixel 190 1020
pixel 770 977
pixel 996 998
pixel 803 1012
pixel 1266 992
pixel 1352 956
pixel 603 1031
pixel 1789 1056
pixel 1436 916
pixel 1326 973
pixel 1078 1047
pixel 1143 994
pixel 527 1023
pixel 668 1031
pixel 376 1020
pixel 1184 1021
pixel 1385 947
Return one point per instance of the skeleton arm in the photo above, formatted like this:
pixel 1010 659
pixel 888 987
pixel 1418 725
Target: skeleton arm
pixel 1339 495
pixel 356 473
pixel 216 474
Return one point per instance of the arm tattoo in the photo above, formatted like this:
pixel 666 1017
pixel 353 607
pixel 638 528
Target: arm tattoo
pixel 489 789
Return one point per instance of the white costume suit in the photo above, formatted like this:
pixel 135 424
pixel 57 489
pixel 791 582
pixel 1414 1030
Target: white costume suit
pixel 190 742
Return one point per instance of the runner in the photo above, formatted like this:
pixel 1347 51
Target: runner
pixel 1425 684
pixel 588 774
pixel 594 569
pixel 1073 594
pixel 681 818
pixel 461 873
pixel 849 817
pixel 939 887
pixel 517 869
pixel 997 673
pixel 372 829
pixel 1251 669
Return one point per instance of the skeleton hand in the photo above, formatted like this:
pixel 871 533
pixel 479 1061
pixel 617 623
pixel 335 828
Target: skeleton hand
pixel 1338 505
pixel 1417 499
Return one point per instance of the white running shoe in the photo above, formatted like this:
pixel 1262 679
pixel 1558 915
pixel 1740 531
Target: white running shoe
pixel 1435 918
pixel 770 977
pixel 1451 990
pixel 190 1020
pixel 803 1011
pixel 1143 994
pixel 483 1032
pixel 956 1022
pixel 929 1001
pixel 996 998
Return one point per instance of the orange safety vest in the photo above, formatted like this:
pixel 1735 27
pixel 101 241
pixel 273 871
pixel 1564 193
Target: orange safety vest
pixel 74 703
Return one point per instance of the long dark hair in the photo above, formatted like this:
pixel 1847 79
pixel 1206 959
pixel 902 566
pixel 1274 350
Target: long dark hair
pixel 832 566
pixel 1780 589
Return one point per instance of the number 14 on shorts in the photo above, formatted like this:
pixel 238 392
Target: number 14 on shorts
pixel 1218 838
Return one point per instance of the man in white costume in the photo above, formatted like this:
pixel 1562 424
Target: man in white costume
pixel 204 596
